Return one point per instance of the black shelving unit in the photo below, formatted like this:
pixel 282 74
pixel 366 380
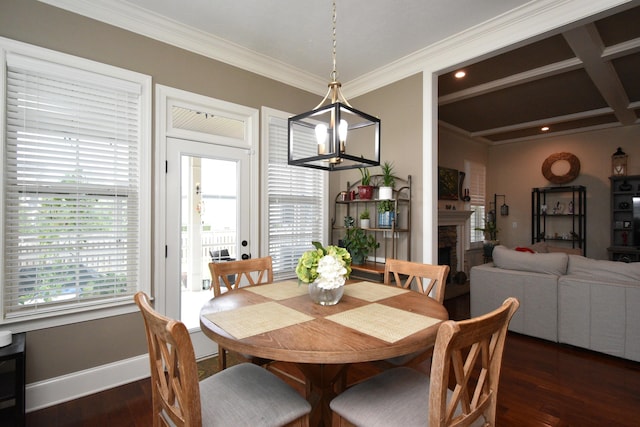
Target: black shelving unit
pixel 623 245
pixel 559 216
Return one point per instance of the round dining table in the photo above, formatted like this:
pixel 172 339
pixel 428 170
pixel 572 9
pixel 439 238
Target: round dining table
pixel 280 322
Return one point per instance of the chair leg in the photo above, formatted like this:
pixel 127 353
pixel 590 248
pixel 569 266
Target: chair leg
pixel 222 359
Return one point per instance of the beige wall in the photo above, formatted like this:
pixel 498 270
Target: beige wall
pixel 514 169
pixel 399 107
pixel 61 350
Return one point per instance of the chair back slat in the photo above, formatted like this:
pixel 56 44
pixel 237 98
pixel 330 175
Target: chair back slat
pixel 253 271
pixel 429 279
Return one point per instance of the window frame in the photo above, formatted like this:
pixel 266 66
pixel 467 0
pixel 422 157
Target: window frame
pixel 91 310
pixel 322 191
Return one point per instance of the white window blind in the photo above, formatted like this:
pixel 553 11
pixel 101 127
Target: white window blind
pixel 72 189
pixel 297 203
pixel 477 184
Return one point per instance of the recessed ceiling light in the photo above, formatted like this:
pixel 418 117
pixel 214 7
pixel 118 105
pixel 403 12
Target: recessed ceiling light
pixel 544 128
pixel 460 74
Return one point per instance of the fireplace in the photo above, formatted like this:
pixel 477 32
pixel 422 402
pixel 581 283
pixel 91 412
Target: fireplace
pixel 453 233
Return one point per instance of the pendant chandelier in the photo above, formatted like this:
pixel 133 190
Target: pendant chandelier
pixel 334 136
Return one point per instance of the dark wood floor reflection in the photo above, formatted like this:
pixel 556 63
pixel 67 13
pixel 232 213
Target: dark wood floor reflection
pixel 542 384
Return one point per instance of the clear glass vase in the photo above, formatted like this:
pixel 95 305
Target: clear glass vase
pixel 325 296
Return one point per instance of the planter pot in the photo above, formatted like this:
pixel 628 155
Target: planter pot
pixel 325 296
pixel 385 193
pixel 365 223
pixel 385 219
pixel 365 192
pixel 487 247
pixel 357 259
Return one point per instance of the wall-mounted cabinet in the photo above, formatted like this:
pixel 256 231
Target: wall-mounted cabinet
pixel 623 247
pixel 559 216
pixel 393 233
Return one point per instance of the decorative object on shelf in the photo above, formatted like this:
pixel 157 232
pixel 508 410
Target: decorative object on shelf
pixel 365 189
pixel 466 197
pixel 571 174
pixel 365 220
pixel 386 214
pixel 558 208
pixel 625 186
pixel 447 184
pixel 619 163
pixel 349 221
pixel 623 205
pixel 359 244
pixel 325 270
pixel 326 129
pixel 385 192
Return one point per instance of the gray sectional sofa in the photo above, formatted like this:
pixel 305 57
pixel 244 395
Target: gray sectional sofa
pixel 566 298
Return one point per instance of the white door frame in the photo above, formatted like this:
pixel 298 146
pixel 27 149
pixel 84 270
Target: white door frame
pixel 166 98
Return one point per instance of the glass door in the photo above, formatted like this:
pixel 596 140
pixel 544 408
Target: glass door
pixel 208 214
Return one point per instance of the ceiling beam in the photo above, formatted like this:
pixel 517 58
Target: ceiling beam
pixel 588 46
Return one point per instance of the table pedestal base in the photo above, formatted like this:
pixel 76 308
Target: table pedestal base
pixel 324 382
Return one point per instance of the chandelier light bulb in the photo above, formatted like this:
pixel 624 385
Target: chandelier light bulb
pixel 342 130
pixel 321 137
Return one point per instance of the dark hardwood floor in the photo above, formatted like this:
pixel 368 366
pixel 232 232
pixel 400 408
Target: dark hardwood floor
pixel 542 384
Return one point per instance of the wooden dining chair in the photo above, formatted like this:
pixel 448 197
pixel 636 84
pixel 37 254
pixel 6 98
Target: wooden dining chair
pixel 258 396
pixel 426 278
pixel 233 274
pixel 468 353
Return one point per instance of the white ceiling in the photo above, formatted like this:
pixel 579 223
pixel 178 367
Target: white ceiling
pixel 369 33
pixel 297 34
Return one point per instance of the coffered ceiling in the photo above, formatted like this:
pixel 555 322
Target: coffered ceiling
pixel 584 78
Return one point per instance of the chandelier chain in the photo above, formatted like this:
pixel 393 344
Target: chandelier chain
pixel 334 73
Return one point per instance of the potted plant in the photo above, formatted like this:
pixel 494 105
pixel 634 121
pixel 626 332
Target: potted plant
pixel 490 237
pixel 359 244
pixel 365 189
pixel 386 213
pixel 365 219
pixel 388 182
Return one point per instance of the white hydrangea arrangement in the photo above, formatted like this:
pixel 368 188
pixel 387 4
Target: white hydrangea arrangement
pixel 328 267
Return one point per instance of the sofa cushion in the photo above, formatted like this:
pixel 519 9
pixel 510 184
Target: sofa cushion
pixel 551 263
pixel 612 271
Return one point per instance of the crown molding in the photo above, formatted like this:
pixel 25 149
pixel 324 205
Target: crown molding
pixel 157 27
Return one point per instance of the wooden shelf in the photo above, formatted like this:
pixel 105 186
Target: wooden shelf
pixel 368 270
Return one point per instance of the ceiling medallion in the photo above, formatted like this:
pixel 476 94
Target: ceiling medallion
pixel 572 173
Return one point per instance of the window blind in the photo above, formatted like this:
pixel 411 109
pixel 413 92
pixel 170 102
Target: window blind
pixel 477 184
pixel 71 190
pixel 296 204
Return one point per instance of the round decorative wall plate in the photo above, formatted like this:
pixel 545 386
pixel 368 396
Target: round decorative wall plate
pixel 572 170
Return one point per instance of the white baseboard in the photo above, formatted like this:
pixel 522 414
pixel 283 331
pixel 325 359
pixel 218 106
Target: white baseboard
pixel 43 394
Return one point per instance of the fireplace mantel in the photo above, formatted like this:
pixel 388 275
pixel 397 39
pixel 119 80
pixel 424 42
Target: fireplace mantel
pixel 451 217
pixel 460 220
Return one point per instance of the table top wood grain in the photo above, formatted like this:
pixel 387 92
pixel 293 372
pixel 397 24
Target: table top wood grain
pixel 319 340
